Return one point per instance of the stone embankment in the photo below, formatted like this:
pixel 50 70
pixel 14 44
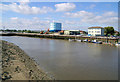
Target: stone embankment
pixel 17 65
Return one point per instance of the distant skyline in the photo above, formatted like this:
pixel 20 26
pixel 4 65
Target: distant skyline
pixel 72 15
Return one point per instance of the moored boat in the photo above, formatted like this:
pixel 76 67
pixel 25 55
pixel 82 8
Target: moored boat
pixel 99 42
pixel 94 41
pixel 70 39
pixel 79 40
pixel 89 40
pixel 85 40
pixel 117 44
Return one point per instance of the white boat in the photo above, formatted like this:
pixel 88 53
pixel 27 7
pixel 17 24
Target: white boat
pixel 118 44
pixel 85 40
pixel 79 40
pixel 70 40
pixel 99 42
pixel 94 41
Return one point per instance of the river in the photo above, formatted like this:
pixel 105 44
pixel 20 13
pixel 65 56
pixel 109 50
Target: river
pixel 71 60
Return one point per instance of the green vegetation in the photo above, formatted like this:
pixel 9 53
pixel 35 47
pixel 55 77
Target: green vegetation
pixel 22 31
pixel 109 31
pixel 27 31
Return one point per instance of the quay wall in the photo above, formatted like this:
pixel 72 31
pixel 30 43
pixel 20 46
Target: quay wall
pixel 65 37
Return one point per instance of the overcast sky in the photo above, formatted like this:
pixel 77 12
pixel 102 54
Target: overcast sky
pixel 72 15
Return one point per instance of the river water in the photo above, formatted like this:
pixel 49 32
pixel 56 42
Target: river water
pixel 71 60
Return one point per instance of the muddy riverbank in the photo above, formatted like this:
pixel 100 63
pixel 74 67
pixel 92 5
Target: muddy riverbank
pixel 17 65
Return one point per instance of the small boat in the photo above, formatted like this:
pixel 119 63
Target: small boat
pixel 89 40
pixel 85 40
pixel 99 42
pixel 94 41
pixel 79 40
pixel 118 44
pixel 70 39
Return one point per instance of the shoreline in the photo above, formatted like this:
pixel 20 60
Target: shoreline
pixel 103 43
pixel 104 40
pixel 17 65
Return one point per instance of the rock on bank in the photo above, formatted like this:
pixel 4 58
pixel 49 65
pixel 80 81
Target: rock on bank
pixel 17 65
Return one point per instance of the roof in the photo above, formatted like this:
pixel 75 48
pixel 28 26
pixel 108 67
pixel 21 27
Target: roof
pixel 95 27
pixel 81 31
pixel 116 31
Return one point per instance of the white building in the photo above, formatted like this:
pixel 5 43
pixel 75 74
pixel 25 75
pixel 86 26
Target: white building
pixel 96 31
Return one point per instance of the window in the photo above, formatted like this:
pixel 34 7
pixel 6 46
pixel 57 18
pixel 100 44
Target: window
pixel 98 31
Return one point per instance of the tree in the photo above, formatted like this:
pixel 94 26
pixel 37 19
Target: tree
pixel 29 31
pixel 109 31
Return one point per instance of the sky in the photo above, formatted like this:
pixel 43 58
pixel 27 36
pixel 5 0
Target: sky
pixel 72 15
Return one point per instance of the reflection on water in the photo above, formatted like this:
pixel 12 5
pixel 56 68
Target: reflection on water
pixel 71 60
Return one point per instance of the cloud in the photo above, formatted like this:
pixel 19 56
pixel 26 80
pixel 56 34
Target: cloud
pixel 65 7
pixel 107 18
pixel 24 8
pixel 92 6
pixel 14 18
pixel 82 14
pixel 40 24
pixel 23 0
pixel 23 23
pixel 110 13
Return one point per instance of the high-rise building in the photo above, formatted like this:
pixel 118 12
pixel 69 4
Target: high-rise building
pixel 55 27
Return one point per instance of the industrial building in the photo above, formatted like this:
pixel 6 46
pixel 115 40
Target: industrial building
pixel 72 32
pixel 95 31
pixel 55 27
